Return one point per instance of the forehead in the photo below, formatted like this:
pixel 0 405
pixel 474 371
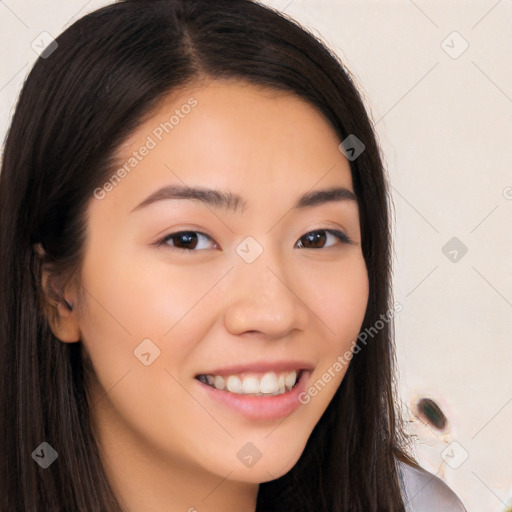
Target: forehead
pixel 232 134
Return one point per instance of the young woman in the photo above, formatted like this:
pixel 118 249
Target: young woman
pixel 194 233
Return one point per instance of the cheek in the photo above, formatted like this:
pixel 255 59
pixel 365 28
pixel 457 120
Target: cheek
pixel 340 304
pixel 130 300
pixel 142 296
pixel 339 300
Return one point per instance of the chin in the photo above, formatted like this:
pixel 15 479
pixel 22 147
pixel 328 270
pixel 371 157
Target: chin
pixel 268 468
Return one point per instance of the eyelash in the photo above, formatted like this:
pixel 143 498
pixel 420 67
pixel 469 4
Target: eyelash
pixel 163 241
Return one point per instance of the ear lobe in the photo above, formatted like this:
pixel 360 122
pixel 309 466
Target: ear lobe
pixel 59 308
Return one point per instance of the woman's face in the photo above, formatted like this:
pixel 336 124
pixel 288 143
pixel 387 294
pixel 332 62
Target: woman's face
pixel 241 291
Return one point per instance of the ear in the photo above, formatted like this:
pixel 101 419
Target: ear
pixel 60 306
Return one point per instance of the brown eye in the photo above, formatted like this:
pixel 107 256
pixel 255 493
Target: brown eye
pixel 313 239
pixel 186 240
pixel 316 239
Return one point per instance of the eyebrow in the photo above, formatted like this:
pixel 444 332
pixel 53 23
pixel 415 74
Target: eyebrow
pixel 229 201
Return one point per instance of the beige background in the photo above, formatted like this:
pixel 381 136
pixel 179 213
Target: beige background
pixel 443 113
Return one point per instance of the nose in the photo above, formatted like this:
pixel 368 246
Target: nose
pixel 263 299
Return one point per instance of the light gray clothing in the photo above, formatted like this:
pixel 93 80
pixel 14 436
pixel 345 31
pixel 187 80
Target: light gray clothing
pixel 422 491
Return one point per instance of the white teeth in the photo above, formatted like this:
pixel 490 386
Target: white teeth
pixel 291 379
pixel 269 384
pixel 251 385
pixel 218 382
pixel 234 384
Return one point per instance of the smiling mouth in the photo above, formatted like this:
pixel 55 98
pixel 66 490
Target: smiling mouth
pixel 253 384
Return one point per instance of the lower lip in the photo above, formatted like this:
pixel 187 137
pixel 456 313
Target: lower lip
pixel 260 407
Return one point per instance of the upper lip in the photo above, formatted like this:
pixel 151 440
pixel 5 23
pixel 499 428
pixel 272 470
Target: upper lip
pixel 258 367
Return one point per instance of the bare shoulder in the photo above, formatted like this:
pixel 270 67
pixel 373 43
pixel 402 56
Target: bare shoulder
pixel 425 492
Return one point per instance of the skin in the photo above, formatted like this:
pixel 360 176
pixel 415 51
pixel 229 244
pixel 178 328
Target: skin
pixel 164 444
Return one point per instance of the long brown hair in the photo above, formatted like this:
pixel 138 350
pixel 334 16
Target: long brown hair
pixel 110 70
